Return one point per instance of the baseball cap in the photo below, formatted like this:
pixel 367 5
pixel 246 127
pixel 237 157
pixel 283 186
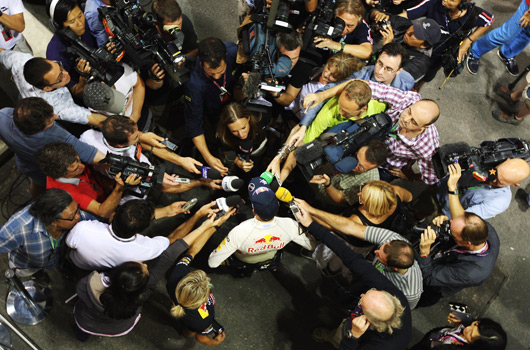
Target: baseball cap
pixel 102 97
pixel 263 199
pixel 428 30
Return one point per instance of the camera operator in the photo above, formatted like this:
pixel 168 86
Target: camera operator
pixel 412 139
pixel 484 199
pixel 343 188
pixel 382 318
pixel 467 263
pixel 120 135
pixel 211 86
pixel 417 37
pixel 356 39
pixel 39 77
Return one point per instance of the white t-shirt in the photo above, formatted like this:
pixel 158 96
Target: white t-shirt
pixel 125 85
pixel 95 246
pixel 255 241
pixel 10 7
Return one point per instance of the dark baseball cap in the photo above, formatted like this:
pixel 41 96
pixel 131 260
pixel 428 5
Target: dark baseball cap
pixel 263 199
pixel 428 30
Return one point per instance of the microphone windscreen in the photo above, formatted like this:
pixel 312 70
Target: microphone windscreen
pixel 230 158
pixel 284 195
pixel 233 200
pixel 251 87
pixel 246 146
pixel 267 176
pixel 232 183
pixel 209 173
pixel 102 97
pixel 237 183
pixel 309 152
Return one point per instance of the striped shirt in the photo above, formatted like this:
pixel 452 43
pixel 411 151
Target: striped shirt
pixel 410 282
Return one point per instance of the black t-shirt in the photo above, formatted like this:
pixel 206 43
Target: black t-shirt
pixel 299 75
pixel 200 320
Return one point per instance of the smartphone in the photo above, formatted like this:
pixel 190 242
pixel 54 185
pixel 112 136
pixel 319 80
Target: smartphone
pixel 189 204
pixel 461 312
pixel 182 180
pixel 170 145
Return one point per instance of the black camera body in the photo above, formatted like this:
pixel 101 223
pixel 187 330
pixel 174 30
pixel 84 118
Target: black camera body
pixel 377 26
pixel 477 161
pixel 151 175
pixel 444 237
pixel 134 32
pixel 104 66
pixel 322 24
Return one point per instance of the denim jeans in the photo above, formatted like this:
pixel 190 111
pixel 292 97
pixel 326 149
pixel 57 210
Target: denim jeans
pixel 510 35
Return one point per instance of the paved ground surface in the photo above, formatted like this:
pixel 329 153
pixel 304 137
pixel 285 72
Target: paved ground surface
pixel 278 311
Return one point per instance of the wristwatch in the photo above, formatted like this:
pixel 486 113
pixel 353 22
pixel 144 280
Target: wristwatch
pixel 455 192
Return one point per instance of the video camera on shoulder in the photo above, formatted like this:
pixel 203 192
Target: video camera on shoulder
pixel 477 161
pixel 322 24
pixel 134 32
pixel 339 150
pixel 151 175
pixel 278 16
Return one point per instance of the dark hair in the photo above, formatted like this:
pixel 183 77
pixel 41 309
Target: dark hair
pixel 132 217
pixel 34 71
pixel 476 230
pixel 167 9
pixel 127 291
pixel 377 152
pixel 400 254
pixel 50 205
pixel 55 159
pixel 395 49
pixel 492 336
pixel 117 128
pixel 290 41
pixel 212 51
pixel 31 114
pixel 61 11
pixel 230 114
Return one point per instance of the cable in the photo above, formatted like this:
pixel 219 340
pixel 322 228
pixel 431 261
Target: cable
pixel 9 199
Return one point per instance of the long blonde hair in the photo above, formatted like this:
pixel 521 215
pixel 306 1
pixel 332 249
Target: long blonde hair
pixel 192 291
pixel 379 198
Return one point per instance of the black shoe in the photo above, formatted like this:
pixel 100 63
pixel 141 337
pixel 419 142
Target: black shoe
pixel 510 63
pixel 522 197
pixel 41 277
pixel 472 63
pixel 505 118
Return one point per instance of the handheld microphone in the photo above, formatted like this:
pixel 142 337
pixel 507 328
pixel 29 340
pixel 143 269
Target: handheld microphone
pixel 230 158
pixel 285 196
pixel 245 149
pixel 272 180
pixel 209 173
pixel 224 204
pixel 232 183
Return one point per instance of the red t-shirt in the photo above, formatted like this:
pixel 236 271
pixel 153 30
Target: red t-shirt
pixel 86 191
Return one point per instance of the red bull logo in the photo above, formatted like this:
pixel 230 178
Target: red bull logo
pixel 268 239
pixel 268 244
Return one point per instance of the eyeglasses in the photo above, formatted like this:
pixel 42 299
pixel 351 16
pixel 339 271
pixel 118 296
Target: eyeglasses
pixel 73 217
pixel 379 64
pixel 61 74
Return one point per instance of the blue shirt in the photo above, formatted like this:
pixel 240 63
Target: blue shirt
pixel 28 243
pixel 202 94
pixel 26 147
pixel 486 202
pixel 56 51
pixel 92 19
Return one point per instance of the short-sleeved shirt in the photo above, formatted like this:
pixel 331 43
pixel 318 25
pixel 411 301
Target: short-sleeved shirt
pixel 56 51
pixel 60 99
pixel 202 93
pixel 83 189
pixel 201 320
pixel 360 35
pixel 26 147
pixel 434 9
pixel 10 7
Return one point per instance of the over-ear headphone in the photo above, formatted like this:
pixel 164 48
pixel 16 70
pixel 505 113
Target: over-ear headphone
pixel 53 5
pixel 463 5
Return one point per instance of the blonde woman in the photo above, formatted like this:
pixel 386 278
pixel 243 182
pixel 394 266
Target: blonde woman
pixel 380 204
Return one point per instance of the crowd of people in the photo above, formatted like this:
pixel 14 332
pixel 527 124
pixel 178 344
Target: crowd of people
pixel 140 171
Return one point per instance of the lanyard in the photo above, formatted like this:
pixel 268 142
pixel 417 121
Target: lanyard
pixel 392 132
pixel 481 252
pixel 223 96
pixel 54 242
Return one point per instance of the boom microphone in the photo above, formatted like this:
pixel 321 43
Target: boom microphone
pixel 309 152
pixel 252 85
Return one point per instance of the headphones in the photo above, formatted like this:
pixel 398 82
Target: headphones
pixel 53 5
pixel 463 5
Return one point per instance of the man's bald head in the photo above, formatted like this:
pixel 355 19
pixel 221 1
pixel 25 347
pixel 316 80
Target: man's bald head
pixel 383 310
pixel 512 172
pixel 429 110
